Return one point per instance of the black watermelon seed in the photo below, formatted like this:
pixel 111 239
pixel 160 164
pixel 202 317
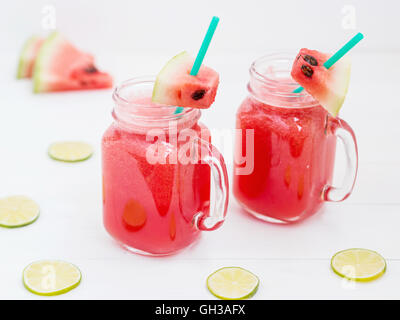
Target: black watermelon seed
pixel 310 59
pixel 308 71
pixel 91 69
pixel 198 94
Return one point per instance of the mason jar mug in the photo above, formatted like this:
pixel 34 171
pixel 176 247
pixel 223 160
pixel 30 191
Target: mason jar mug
pixel 285 154
pixel 158 171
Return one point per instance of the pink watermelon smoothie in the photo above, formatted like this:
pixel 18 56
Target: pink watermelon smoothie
pixel 293 154
pixel 149 208
pixel 293 160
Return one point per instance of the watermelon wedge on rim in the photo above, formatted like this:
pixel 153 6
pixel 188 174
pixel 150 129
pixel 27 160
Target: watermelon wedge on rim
pixel 28 57
pixel 328 86
pixel 175 86
pixel 60 66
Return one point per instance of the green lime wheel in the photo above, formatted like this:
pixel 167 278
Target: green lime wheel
pixel 51 277
pixel 70 151
pixel 232 283
pixel 358 264
pixel 18 211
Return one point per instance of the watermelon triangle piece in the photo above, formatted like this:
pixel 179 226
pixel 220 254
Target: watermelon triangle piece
pixel 328 86
pixel 175 86
pixel 60 66
pixel 28 57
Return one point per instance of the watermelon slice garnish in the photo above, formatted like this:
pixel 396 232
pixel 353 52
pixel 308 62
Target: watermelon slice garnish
pixel 28 57
pixel 60 66
pixel 327 86
pixel 175 86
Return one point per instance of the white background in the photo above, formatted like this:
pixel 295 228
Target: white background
pixel 133 38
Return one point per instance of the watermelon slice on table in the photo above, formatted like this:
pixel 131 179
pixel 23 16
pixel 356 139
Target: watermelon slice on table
pixel 327 86
pixel 28 56
pixel 60 66
pixel 175 86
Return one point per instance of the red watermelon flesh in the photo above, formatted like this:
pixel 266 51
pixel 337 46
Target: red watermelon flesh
pixel 175 86
pixel 28 57
pixel 60 67
pixel 328 86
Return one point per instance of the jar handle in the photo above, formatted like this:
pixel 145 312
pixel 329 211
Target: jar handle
pixel 212 157
pixel 345 133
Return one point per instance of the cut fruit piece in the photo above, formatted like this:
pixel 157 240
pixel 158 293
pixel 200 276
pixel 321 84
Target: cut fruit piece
pixel 17 211
pixel 51 277
pixel 70 151
pixel 28 57
pixel 327 86
pixel 134 215
pixel 60 66
pixel 358 264
pixel 232 283
pixel 175 86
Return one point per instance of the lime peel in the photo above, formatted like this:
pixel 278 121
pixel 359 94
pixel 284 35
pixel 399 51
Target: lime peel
pixel 232 283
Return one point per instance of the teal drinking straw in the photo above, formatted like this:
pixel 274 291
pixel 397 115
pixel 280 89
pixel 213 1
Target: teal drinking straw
pixel 202 52
pixel 339 54
pixel 204 46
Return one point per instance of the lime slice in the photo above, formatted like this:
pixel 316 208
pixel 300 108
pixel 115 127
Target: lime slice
pixel 358 264
pixel 17 211
pixel 70 151
pixel 51 277
pixel 232 283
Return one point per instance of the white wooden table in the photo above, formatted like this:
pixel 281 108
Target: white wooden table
pixel 291 261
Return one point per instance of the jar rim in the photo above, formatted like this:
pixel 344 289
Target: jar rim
pixel 272 85
pixel 131 107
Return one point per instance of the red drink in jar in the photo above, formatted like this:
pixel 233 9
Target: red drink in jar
pixel 156 197
pixel 290 157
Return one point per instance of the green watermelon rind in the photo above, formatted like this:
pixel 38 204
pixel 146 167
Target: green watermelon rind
pixel 42 57
pixel 336 87
pixel 22 63
pixel 171 65
pixel 335 103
